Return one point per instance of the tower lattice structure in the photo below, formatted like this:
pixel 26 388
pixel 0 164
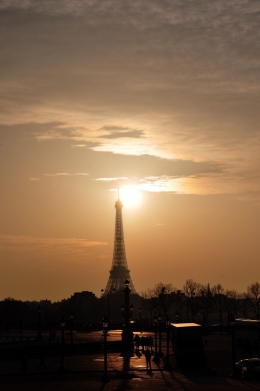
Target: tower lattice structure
pixel 119 271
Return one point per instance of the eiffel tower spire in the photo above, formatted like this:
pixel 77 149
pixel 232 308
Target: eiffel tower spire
pixel 119 271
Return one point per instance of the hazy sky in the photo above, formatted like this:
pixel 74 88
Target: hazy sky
pixel 160 95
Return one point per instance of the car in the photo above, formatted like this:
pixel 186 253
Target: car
pixel 249 367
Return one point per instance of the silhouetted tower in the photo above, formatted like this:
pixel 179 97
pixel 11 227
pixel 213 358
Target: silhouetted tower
pixel 119 271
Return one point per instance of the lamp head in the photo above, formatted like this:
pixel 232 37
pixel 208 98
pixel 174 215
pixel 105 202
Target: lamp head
pixel 62 323
pixel 232 321
pixel 105 323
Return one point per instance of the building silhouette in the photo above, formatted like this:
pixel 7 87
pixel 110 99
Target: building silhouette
pixel 119 272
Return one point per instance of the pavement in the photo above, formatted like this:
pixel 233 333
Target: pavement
pixel 126 372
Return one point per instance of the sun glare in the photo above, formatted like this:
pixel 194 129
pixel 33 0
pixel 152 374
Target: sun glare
pixel 130 196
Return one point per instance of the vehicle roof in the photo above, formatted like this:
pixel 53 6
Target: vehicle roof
pixel 181 325
pixel 247 321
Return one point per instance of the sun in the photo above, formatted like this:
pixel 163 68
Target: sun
pixel 130 195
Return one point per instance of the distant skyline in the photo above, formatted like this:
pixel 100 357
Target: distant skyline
pixel 160 98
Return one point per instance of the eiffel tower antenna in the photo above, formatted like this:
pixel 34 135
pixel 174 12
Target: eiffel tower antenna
pixel 119 272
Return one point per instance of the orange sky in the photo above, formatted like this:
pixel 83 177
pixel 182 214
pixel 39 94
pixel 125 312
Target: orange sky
pixel 101 95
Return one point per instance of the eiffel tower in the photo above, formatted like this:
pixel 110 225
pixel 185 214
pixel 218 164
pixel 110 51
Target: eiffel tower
pixel 119 272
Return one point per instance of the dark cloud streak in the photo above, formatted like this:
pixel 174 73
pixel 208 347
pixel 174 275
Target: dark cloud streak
pixel 127 134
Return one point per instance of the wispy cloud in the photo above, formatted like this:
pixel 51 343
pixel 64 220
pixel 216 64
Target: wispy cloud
pixel 117 132
pixel 30 244
pixel 34 179
pixel 115 128
pixel 67 174
pixel 111 179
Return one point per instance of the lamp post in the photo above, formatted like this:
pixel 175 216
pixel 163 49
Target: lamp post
pixel 46 302
pixel 140 321
pixel 39 331
pixel 131 311
pixel 156 358
pixel 167 364
pixel 108 303
pixel 160 353
pixel 105 377
pixel 203 316
pixel 127 310
pixel 71 325
pixel 177 316
pixel 62 326
pixel 232 326
pixel 21 329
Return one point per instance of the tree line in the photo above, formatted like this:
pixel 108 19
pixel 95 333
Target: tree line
pixel 196 301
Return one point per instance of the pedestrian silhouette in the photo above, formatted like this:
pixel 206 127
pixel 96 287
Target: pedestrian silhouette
pixel 151 342
pixel 137 341
pixel 24 363
pixel 148 355
pixel 143 342
pixel 41 355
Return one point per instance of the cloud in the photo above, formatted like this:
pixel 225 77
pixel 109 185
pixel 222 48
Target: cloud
pixel 121 132
pixel 116 128
pixel 67 174
pixel 193 184
pixel 126 134
pixel 62 246
pixel 188 76
pixel 34 179
pixel 111 179
pixel 151 166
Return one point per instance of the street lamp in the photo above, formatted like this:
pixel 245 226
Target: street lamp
pixel 131 310
pixel 203 316
pixel 139 314
pixel 62 326
pixel 167 364
pixel 108 303
pixel 71 324
pixel 177 316
pixel 232 326
pixel 39 331
pixel 21 329
pixel 127 310
pixel 46 302
pixel 156 358
pixel 105 377
pixel 160 353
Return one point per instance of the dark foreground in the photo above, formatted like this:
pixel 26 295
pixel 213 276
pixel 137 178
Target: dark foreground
pixel 126 372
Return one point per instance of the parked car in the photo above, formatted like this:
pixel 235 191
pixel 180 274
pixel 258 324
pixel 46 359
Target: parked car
pixel 249 367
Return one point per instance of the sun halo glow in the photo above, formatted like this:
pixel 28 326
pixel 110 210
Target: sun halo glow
pixel 130 196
